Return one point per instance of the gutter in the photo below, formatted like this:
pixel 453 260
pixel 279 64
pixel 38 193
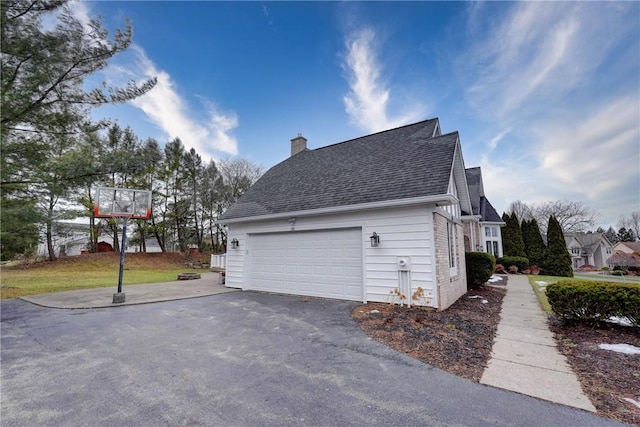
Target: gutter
pixel 438 200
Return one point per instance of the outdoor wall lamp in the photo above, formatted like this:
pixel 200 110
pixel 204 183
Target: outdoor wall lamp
pixel 235 243
pixel 375 240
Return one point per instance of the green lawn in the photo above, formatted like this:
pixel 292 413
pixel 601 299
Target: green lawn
pixel 86 272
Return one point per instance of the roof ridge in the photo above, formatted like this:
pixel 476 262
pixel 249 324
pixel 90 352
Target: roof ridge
pixel 380 132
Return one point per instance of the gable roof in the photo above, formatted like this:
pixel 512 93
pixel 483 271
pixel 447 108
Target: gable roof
pixel 589 242
pixel 632 246
pixel 479 203
pixel 407 162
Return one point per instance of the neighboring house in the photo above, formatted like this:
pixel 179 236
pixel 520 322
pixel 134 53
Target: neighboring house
pixel 625 254
pixel 311 224
pixel 627 247
pixel 489 224
pixel 72 238
pixel 592 249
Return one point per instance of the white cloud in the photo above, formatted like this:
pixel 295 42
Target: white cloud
pixel 555 86
pixel 598 153
pixel 368 100
pixel 164 106
pixel 168 110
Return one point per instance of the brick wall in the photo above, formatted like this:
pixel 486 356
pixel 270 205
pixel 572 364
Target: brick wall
pixel 450 288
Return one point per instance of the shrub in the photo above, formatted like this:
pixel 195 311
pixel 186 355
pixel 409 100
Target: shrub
pixel 594 302
pixel 500 269
pixel 521 262
pixel 480 267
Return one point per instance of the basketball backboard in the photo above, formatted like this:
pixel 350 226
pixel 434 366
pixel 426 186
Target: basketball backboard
pixel 122 203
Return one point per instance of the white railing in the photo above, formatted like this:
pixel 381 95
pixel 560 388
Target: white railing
pixel 219 261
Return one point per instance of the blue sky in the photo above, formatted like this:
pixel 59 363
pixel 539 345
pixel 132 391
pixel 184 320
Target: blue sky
pixel 545 95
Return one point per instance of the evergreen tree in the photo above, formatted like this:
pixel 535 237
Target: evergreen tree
pixel 611 235
pixel 512 242
pixel 518 242
pixel 625 235
pixel 533 243
pixel 557 260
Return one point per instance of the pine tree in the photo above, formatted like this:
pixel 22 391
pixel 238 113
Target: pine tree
pixel 557 260
pixel 518 242
pixel 512 243
pixel 534 245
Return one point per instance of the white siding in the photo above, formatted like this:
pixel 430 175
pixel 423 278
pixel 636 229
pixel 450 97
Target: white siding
pixel 406 231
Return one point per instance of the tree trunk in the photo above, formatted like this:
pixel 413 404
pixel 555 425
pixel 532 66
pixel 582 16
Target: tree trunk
pixel 50 247
pixel 158 237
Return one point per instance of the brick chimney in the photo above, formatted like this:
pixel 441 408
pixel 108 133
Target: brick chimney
pixel 298 144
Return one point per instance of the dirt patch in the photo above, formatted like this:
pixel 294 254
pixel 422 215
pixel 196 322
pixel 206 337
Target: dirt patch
pixel 457 340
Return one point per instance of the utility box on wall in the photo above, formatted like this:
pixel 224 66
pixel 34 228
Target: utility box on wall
pixel 403 263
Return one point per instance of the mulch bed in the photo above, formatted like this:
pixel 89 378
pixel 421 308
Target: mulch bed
pixel 607 377
pixel 457 340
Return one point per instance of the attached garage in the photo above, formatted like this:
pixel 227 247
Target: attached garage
pixel 320 263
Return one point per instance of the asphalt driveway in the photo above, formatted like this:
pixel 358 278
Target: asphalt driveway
pixel 233 359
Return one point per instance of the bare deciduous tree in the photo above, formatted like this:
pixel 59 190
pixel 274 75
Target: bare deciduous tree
pixel 572 216
pixel 631 222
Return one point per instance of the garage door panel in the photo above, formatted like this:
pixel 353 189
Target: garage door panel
pixel 325 263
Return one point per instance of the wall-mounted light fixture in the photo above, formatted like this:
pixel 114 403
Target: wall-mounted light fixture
pixel 375 240
pixel 234 243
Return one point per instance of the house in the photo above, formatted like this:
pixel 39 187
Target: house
pixel 489 224
pixel 364 220
pixel 71 239
pixel 625 254
pixel 592 249
pixel 627 247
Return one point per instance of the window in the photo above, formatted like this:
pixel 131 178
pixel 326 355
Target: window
pixel 452 247
pixel 575 250
pixel 495 249
pixel 491 231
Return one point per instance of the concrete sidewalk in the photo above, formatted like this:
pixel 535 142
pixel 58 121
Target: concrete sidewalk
pixel 208 284
pixel 525 358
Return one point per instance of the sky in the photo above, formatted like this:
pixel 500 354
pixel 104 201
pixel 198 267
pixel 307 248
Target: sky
pixel 545 95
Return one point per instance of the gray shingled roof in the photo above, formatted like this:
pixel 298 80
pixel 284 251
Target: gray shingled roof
pixel 479 203
pixel 588 241
pixel 401 163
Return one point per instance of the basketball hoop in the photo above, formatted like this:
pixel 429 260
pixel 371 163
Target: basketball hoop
pixel 122 203
pixel 125 203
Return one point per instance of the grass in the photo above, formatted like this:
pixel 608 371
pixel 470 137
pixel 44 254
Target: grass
pixel 89 271
pixel 539 289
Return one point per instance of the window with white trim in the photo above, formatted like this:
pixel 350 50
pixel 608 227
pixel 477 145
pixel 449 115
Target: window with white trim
pixel 451 243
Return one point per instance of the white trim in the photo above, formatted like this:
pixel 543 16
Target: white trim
pixel 447 199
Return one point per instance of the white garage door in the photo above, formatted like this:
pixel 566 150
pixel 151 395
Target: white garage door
pixel 324 263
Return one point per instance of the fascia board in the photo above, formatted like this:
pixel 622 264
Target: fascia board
pixel 444 199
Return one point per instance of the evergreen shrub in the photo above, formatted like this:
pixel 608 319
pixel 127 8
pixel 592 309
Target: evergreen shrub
pixel 594 302
pixel 521 262
pixel 479 267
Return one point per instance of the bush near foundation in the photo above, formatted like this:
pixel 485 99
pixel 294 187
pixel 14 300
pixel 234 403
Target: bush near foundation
pixel 521 262
pixel 594 302
pixel 480 267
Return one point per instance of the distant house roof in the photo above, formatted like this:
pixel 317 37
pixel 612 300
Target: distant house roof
pixel 588 241
pixel 631 246
pixel 481 206
pixel 407 162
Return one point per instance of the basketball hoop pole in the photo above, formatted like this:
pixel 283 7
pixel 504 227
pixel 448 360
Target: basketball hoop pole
pixel 122 253
pixel 119 297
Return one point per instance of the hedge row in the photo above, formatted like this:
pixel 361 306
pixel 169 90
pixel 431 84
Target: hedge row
pixel 594 302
